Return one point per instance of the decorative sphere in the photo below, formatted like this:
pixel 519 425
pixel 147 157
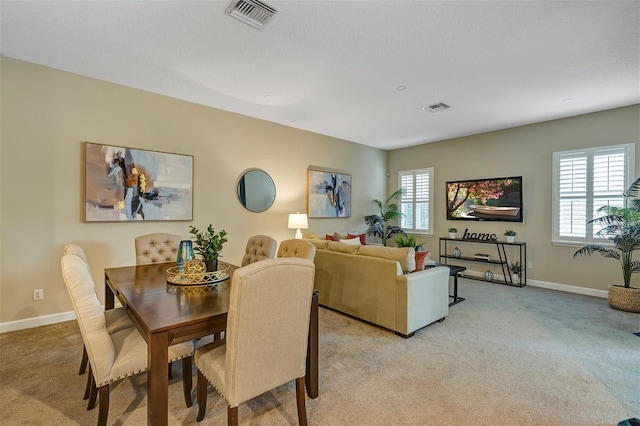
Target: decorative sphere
pixel 195 266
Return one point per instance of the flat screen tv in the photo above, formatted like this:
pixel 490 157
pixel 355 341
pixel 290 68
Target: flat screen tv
pixel 485 199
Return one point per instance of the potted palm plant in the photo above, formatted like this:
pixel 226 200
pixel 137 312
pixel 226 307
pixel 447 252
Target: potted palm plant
pixel 620 225
pixel 209 244
pixel 388 211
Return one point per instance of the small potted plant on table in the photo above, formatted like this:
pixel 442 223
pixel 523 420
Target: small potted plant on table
pixel 516 271
pixel 452 233
pixel 209 245
pixel 511 235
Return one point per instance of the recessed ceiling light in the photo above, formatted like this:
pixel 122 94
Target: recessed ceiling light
pixel 400 88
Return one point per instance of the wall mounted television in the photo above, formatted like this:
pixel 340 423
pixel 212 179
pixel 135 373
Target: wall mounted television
pixel 498 199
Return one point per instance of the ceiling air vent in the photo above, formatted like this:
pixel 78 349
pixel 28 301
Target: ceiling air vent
pixel 252 12
pixel 440 106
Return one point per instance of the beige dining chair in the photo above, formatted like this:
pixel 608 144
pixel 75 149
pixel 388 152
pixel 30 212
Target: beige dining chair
pixel 259 247
pixel 297 248
pixel 115 319
pixel 157 248
pixel 266 339
pixel 114 356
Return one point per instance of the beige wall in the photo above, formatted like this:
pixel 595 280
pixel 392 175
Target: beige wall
pixel 525 151
pixel 46 114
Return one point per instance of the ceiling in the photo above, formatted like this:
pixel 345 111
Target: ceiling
pixel 355 70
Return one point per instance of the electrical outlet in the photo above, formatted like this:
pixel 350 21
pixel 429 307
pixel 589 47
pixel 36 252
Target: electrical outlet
pixel 530 265
pixel 38 294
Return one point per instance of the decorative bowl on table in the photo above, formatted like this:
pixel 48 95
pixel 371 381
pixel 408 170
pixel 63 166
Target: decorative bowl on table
pixel 195 273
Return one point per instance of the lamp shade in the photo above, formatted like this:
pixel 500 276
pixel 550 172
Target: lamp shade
pixel 298 221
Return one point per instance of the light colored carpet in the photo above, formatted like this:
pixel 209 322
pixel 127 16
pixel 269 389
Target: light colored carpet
pixel 505 356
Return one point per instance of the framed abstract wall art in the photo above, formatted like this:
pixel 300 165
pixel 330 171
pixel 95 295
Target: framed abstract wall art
pixel 128 184
pixel 328 194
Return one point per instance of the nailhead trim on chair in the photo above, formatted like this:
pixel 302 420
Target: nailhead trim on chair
pixel 134 373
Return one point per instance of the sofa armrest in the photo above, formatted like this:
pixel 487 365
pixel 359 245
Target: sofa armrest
pixel 422 298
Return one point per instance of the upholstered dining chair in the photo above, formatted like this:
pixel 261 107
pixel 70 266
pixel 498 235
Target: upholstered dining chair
pixel 259 247
pixel 297 248
pixel 115 319
pixel 266 339
pixel 115 356
pixel 157 248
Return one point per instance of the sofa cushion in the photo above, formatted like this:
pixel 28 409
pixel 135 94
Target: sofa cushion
pixel 343 248
pixel 320 244
pixel 404 255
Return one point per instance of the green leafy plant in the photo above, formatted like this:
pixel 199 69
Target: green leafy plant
pixel 454 230
pixel 378 223
pixel 408 241
pixel 516 268
pixel 209 244
pixel 621 225
pixel 510 233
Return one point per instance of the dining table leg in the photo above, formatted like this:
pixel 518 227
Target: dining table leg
pixel 311 376
pixel 109 299
pixel 158 379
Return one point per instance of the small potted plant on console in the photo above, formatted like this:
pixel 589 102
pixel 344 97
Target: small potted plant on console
pixel 452 233
pixel 511 235
pixel 516 269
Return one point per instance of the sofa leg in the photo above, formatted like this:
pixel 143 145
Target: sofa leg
pixel 406 336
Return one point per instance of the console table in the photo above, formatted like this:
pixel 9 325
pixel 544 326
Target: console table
pixel 498 260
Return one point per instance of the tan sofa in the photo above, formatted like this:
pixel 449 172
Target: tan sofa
pixel 374 283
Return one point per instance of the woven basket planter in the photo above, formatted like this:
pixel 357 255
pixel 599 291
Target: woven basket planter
pixel 624 298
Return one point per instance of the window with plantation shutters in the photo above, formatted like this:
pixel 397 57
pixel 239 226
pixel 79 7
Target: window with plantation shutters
pixel 584 181
pixel 415 203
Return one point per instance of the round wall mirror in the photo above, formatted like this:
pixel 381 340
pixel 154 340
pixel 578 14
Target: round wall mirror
pixel 256 190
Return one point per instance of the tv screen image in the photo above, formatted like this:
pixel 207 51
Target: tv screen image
pixel 485 199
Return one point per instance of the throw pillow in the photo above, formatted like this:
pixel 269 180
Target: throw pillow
pixel 333 237
pixel 362 237
pixel 421 256
pixel 351 241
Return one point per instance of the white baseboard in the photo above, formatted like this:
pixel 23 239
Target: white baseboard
pixel 6 327
pixel 569 288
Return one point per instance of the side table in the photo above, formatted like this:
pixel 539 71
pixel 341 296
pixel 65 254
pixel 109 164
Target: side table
pixel 453 272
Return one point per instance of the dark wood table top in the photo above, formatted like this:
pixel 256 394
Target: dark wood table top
pixel 161 306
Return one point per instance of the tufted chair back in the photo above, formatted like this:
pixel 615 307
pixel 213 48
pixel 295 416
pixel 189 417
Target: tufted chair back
pixel 157 248
pixel 297 248
pixel 76 250
pixel 258 355
pixel 259 247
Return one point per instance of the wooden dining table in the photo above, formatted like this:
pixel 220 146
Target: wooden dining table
pixel 167 314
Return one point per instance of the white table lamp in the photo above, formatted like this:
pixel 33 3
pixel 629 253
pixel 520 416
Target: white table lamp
pixel 298 221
